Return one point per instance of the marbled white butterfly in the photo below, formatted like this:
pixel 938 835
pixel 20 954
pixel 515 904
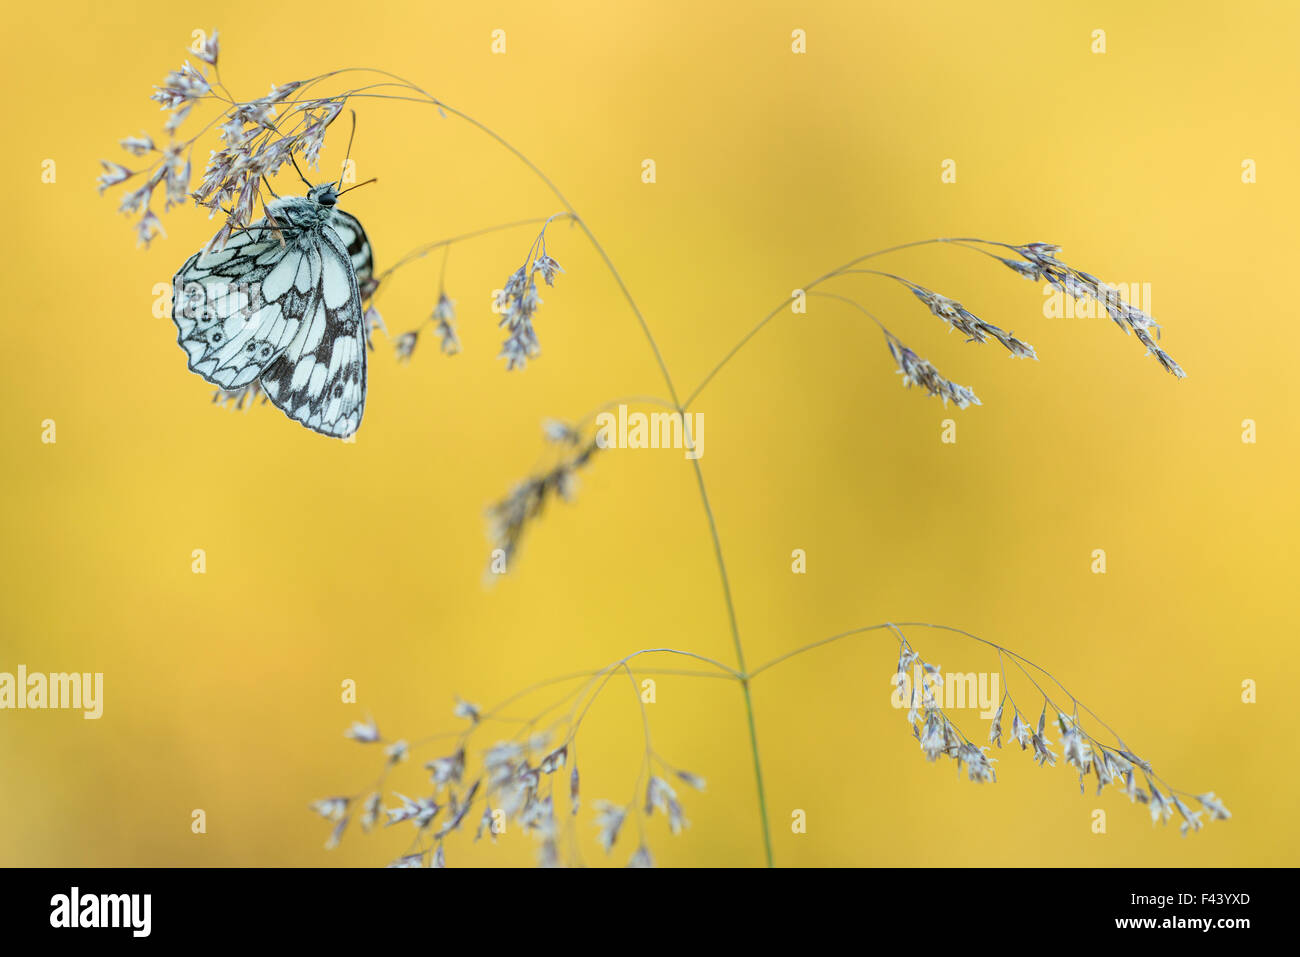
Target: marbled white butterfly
pixel 280 303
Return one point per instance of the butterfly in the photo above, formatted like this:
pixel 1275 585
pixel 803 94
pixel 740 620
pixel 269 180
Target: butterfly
pixel 280 305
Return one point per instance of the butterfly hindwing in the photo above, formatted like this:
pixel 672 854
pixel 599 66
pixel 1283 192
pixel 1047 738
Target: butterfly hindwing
pixel 349 229
pixel 319 378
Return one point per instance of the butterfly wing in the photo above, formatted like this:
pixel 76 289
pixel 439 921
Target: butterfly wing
pixel 319 377
pixel 285 312
pixel 348 228
pixel 225 323
pixel 354 237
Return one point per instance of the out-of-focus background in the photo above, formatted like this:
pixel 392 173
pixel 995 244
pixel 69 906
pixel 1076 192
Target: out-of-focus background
pixel 328 561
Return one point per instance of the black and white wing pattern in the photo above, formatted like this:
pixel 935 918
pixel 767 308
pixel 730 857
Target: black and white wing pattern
pixel 287 313
pixel 349 230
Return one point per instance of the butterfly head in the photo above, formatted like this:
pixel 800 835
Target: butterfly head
pixel 323 195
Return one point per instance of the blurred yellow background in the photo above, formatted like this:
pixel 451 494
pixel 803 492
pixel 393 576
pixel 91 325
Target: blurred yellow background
pixel 328 561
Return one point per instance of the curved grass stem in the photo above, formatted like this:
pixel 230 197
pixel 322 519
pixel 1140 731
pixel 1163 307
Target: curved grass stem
pixel 680 408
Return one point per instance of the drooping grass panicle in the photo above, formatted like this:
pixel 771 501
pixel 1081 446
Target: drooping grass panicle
pixel 569 447
pixel 443 319
pixel 528 774
pixel 1040 262
pixel 1103 761
pixel 956 316
pixel 975 329
pixel 914 369
pixel 510 516
pixel 517 303
pixel 921 372
pixel 256 138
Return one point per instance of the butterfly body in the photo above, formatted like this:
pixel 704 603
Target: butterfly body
pixel 280 304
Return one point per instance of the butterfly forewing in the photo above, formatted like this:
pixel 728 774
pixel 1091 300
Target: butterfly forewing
pixel 285 311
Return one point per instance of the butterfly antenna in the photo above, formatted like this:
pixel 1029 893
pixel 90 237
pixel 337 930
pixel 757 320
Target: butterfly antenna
pixel 347 156
pixel 373 179
pixel 300 176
